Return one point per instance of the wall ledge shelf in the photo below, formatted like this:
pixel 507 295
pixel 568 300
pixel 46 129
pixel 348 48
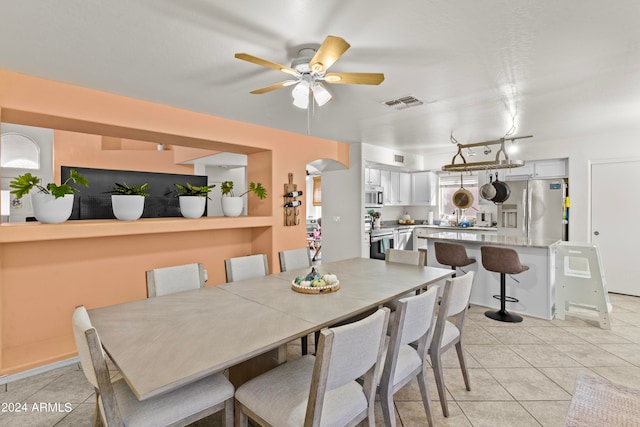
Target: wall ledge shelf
pixel 80 229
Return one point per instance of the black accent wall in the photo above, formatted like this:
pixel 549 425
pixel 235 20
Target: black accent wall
pixel 94 202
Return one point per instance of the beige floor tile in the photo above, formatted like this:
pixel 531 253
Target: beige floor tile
pixel 554 335
pixel 528 384
pixel 590 355
pixel 614 322
pixel 628 376
pixel 483 386
pixel 19 390
pixel 450 359
pixel 531 322
pixel 566 377
pixel 597 335
pixel 515 335
pixel 628 352
pixel 632 318
pixel 492 414
pixel 412 415
pixel 625 302
pixel 81 416
pixel 72 387
pixel 629 332
pixel 474 334
pixel 478 309
pixel 543 355
pixel 380 417
pixel 549 414
pixel 496 356
pixel 411 391
pixel 32 417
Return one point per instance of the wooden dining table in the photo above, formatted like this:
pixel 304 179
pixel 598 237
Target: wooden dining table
pixel 160 344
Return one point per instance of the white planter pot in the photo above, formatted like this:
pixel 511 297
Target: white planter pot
pixel 192 206
pixel 232 206
pixel 127 207
pixel 49 210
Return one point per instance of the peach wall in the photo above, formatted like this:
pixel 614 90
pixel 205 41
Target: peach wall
pixel 42 280
pixel 81 149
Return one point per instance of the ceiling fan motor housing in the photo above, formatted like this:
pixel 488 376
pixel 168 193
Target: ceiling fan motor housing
pixel 301 63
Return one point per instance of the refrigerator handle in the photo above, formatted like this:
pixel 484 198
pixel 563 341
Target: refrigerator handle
pixel 527 209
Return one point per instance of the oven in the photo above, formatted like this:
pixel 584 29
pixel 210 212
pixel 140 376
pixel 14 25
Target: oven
pixel 381 240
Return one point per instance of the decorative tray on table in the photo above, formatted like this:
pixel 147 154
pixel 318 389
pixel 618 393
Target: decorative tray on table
pixel 315 283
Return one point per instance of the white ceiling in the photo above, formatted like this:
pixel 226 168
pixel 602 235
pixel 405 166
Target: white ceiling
pixel 554 68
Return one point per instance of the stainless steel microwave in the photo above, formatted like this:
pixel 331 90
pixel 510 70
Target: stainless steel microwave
pixel 373 197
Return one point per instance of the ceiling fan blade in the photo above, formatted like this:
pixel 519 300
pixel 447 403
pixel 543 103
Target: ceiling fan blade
pixel 331 49
pixel 354 78
pixel 266 63
pixel 274 87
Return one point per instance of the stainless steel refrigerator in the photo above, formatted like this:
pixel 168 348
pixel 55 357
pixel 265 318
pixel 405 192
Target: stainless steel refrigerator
pixel 535 209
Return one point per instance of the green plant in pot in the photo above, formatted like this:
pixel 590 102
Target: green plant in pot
pixel 232 204
pixel 127 201
pixel 52 203
pixel 193 199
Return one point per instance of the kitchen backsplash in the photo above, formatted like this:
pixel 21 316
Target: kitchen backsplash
pixel 420 213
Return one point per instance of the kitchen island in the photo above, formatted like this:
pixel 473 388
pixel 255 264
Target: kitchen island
pixel 535 288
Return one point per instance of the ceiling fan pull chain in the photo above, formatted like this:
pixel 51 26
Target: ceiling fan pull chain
pixel 309 116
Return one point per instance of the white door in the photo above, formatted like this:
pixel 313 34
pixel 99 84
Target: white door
pixel 614 206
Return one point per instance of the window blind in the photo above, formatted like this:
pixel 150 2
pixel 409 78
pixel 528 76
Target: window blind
pixel 453 180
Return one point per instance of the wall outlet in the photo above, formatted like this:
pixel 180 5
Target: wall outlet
pixel 336 219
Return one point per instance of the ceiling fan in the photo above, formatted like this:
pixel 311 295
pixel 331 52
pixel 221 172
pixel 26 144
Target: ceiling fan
pixel 309 70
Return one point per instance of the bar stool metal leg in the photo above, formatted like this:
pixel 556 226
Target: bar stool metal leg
pixel 503 315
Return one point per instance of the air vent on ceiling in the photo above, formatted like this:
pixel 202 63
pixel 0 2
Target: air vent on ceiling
pixel 398 158
pixel 404 102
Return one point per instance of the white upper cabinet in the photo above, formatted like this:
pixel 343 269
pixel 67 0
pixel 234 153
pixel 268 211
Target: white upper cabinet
pixel 405 188
pixel 397 188
pixel 372 176
pixel 385 181
pixel 523 172
pixel 551 168
pixel 423 188
pixel 538 169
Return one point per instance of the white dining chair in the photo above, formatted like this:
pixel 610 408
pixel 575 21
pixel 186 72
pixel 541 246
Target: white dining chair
pixel 169 280
pixel 405 256
pixel 116 405
pixel 448 331
pixel 246 267
pixel 412 323
pixel 294 258
pixel 402 256
pixel 321 390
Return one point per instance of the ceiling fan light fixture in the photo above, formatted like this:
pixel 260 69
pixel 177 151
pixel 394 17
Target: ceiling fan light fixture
pixel 301 102
pixel 321 94
pixel 300 94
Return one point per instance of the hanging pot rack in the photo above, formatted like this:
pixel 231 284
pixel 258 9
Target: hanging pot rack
pixel 498 163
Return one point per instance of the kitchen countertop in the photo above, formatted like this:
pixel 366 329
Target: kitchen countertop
pixel 492 239
pixel 451 227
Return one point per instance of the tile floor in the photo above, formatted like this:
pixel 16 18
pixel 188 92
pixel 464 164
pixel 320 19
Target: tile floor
pixel 521 374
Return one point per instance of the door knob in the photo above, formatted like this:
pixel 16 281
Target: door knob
pixel 596 233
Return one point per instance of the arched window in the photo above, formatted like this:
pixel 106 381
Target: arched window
pixel 19 151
